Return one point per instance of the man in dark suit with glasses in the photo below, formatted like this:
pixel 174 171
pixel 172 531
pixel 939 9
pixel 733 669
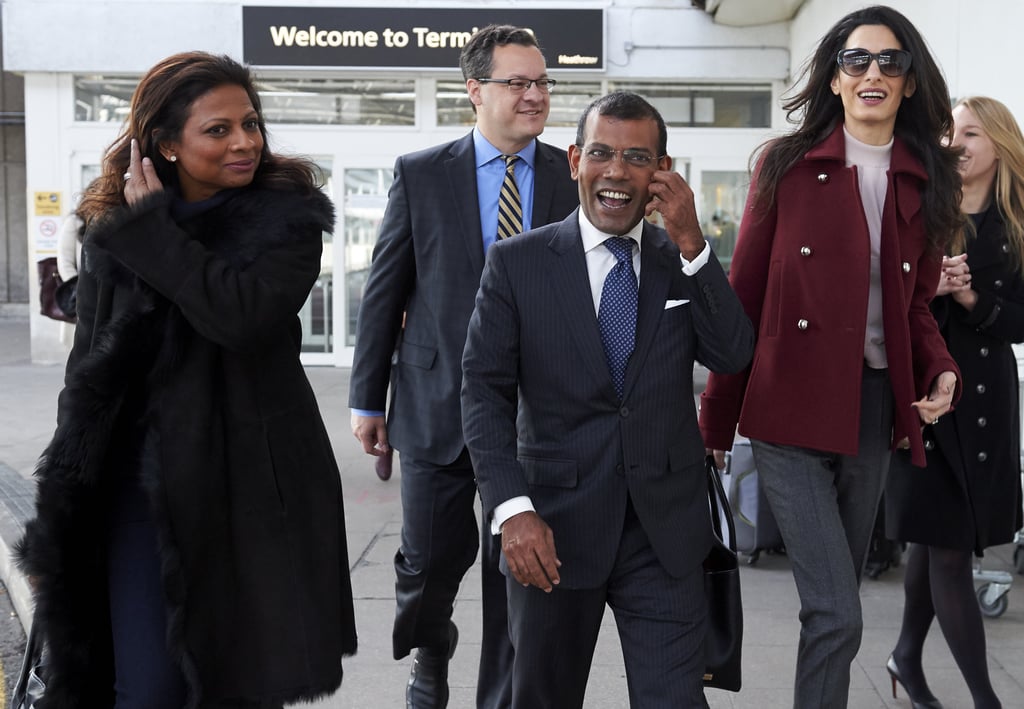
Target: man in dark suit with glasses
pixel 446 207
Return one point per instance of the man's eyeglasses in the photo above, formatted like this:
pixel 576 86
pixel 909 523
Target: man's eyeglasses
pixel 891 62
pixel 630 156
pixel 521 85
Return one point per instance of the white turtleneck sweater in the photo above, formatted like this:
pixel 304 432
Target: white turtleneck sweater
pixel 872 164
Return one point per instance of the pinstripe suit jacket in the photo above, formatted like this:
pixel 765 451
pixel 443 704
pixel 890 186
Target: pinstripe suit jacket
pixel 541 415
pixel 426 268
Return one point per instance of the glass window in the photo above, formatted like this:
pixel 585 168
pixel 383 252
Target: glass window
pixel 453 106
pixel 723 195
pixel 285 100
pixel 568 99
pixel 710 106
pixel 363 102
pixel 366 195
pixel 103 98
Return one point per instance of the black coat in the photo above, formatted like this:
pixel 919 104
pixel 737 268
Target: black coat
pixel 969 497
pixel 187 350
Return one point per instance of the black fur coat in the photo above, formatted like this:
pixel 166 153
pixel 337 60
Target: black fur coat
pixel 187 351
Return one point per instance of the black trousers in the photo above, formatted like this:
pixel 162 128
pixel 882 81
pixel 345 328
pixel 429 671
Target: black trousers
pixel 145 673
pixel 661 625
pixel 440 540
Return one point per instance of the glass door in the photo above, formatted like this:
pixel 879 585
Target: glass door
pixel 317 316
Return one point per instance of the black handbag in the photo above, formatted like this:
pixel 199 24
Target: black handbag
pixel 49 282
pixel 723 641
pixel 29 689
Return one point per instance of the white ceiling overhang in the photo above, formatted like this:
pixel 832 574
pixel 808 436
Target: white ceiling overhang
pixel 747 13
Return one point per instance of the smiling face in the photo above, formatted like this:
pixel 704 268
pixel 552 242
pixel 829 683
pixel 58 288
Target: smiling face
pixel 613 193
pixel 871 101
pixel 219 146
pixel 979 161
pixel 509 119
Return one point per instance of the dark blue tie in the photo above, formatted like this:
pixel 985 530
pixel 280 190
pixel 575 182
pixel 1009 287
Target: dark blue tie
pixel 617 314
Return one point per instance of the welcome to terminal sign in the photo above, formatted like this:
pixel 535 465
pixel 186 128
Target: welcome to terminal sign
pixel 409 38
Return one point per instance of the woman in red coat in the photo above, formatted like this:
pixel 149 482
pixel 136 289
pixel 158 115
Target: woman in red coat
pixel 836 261
pixel 970 497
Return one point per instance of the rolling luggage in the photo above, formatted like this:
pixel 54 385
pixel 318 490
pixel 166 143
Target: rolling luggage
pixel 756 529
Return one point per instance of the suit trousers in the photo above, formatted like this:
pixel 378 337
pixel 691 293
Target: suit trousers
pixel 825 505
pixel 439 542
pixel 661 625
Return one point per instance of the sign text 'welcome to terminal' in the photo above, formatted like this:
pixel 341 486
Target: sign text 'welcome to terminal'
pixel 408 37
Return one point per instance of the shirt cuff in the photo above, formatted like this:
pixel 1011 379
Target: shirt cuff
pixel 509 508
pixel 691 267
pixel 367 412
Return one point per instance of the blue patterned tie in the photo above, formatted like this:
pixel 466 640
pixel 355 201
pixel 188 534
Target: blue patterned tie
pixel 617 314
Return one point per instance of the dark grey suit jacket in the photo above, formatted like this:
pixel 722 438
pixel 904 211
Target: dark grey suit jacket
pixel 534 347
pixel 427 265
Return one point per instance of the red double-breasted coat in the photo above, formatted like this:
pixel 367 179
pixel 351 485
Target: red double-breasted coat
pixel 801 270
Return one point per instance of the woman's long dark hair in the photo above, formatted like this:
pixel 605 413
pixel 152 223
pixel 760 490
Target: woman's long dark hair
pixel 924 121
pixel 160 106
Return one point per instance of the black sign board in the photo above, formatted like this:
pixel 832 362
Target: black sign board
pixel 409 38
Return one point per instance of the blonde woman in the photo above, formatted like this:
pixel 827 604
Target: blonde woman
pixel 970 496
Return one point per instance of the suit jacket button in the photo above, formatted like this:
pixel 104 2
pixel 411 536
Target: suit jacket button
pixel 802 324
pixel 983 351
pixel 906 267
pixel 982 422
pixel 624 412
pixel 805 250
pixel 980 388
pixel 982 457
pixel 823 178
pixel 998 283
pixel 929 445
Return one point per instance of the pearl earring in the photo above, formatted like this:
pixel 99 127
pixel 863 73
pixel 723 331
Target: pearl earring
pixel 173 158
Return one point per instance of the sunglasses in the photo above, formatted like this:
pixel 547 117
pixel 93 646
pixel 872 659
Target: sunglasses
pixel 891 62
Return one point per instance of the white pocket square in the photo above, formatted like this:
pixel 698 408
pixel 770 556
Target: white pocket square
pixel 675 303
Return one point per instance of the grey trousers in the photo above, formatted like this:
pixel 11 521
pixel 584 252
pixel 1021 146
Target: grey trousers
pixel 825 505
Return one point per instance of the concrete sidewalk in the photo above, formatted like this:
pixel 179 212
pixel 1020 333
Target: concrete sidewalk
pixel 372 679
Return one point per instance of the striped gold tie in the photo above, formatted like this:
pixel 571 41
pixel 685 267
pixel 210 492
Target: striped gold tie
pixel 510 210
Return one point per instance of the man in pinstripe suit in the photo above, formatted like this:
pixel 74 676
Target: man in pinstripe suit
pixel 599 496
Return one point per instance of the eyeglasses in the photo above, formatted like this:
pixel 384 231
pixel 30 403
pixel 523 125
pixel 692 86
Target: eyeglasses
pixel 891 62
pixel 521 85
pixel 630 156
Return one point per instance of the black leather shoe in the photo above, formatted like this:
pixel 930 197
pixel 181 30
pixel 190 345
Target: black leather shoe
pixel 428 680
pixel 928 701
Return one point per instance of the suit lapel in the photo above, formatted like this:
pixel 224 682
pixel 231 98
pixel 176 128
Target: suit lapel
pixel 572 283
pixel 545 175
pixel 460 168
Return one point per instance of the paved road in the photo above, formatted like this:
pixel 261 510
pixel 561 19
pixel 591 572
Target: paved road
pixel 373 679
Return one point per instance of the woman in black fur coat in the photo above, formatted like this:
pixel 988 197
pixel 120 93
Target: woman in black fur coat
pixel 189 547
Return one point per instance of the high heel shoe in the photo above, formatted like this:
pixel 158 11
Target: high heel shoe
pixel 928 702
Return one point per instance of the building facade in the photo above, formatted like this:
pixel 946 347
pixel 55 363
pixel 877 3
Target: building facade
pixel 355 84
